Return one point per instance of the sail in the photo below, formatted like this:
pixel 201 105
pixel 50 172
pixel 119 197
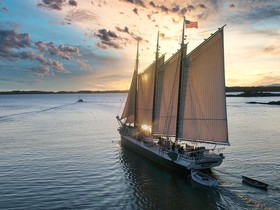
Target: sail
pixel 204 115
pixel 167 96
pixel 146 93
pixel 129 109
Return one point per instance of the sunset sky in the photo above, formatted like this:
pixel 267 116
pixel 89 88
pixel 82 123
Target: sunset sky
pixel 91 44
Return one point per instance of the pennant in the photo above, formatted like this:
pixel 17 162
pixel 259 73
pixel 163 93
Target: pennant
pixel 190 24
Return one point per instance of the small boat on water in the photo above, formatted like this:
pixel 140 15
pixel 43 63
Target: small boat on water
pixel 80 100
pixel 254 182
pixel 203 179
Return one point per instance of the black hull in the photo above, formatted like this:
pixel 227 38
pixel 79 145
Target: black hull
pixel 160 161
pixel 254 183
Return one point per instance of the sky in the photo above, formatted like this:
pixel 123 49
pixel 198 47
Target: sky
pixel 54 45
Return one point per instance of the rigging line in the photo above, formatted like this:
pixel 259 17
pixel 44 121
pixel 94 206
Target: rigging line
pixel 168 119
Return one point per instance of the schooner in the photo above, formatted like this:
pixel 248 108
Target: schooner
pixel 176 108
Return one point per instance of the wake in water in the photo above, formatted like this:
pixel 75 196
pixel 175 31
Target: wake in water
pixel 12 117
pixel 239 196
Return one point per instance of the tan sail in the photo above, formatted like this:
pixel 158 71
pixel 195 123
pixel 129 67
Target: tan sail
pixel 146 93
pixel 129 108
pixel 167 96
pixel 204 114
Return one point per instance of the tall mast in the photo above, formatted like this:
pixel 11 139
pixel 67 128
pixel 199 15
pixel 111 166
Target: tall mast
pixel 136 86
pixel 155 84
pixel 180 83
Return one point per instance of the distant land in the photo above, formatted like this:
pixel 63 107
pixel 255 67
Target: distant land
pixel 270 88
pixel 243 91
pixel 16 92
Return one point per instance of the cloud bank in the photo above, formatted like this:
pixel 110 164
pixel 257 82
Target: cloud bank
pixel 15 46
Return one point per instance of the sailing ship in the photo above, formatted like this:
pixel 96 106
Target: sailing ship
pixel 176 108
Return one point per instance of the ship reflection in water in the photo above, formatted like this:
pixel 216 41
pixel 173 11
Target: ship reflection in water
pixel 150 186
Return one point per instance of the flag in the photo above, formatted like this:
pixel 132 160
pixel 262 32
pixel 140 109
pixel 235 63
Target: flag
pixel 190 24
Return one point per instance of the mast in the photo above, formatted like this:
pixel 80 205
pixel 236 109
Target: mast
pixel 136 86
pixel 180 83
pixel 155 84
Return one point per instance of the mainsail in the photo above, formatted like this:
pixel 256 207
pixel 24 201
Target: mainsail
pixel 167 96
pixel 204 116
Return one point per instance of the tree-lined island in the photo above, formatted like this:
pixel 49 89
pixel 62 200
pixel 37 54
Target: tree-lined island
pixel 237 91
pixel 254 91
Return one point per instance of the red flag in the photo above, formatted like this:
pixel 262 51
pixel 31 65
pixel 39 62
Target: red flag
pixel 190 24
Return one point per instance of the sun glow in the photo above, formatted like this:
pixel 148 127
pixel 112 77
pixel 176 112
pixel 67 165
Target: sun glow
pixel 146 128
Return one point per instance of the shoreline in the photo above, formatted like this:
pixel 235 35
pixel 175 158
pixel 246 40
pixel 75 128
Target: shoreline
pixel 258 91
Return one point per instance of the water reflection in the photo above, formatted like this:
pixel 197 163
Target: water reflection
pixel 152 187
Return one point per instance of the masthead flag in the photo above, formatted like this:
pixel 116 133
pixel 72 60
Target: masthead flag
pixel 190 24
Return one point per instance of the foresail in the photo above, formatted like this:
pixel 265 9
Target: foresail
pixel 146 93
pixel 167 96
pixel 129 108
pixel 204 115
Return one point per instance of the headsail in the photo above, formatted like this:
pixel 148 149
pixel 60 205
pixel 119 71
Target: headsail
pixel 130 109
pixel 204 116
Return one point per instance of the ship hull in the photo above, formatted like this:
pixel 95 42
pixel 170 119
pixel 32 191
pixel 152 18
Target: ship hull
pixel 168 159
pixel 128 143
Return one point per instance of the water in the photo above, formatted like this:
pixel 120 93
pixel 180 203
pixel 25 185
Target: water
pixel 58 154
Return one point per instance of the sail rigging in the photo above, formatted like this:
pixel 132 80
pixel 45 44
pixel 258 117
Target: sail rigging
pixel 189 99
pixel 183 97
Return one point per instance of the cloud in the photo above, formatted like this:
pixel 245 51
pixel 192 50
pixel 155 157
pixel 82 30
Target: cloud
pixel 138 2
pixel 80 15
pixel 202 6
pixel 232 6
pixel 52 4
pixel 15 46
pixel 163 8
pixel 4 9
pixel 83 65
pixel 108 39
pixel 125 30
pixel 135 10
pixel 42 71
pixel 243 12
pixel 132 35
pixel 64 51
pixel 268 80
pixel 152 4
pixel 56 4
pixel 272 49
pixel 12 39
pixel 105 35
pixel 73 3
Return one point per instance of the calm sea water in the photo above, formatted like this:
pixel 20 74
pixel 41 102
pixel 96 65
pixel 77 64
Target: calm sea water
pixel 58 154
